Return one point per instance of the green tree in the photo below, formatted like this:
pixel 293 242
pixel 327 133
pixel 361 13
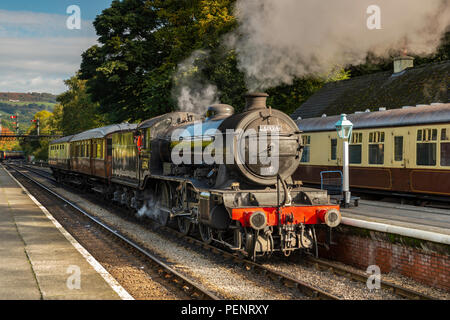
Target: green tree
pixel 142 41
pixel 76 112
pixel 38 147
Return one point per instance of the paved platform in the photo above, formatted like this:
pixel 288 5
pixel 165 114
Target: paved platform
pixel 407 216
pixel 36 260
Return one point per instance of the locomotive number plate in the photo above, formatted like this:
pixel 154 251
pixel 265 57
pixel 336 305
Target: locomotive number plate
pixel 269 128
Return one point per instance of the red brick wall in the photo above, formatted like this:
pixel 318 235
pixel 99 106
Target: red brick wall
pixel 430 268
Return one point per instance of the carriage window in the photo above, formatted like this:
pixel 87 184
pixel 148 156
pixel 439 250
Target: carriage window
pixel 426 154
pixel 355 148
pixel 99 150
pixel 306 148
pixel 427 135
pixel 376 147
pixel 375 137
pixel 333 149
pixel 109 147
pixel 445 154
pixel 376 153
pixel 445 135
pixel 426 148
pixel 355 153
pixel 356 138
pixel 398 148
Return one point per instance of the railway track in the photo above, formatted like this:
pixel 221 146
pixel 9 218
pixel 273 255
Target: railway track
pixel 188 286
pixel 318 264
pixel 303 287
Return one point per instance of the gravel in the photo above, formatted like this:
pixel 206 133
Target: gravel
pixel 230 281
pixel 226 280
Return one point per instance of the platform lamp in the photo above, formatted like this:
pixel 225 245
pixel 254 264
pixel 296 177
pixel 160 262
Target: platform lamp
pixel 344 130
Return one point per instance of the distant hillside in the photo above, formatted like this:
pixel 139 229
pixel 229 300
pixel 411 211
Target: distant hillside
pixel 32 97
pixel 24 109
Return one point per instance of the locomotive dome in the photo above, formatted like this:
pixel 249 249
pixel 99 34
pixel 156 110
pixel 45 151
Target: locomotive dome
pixel 218 111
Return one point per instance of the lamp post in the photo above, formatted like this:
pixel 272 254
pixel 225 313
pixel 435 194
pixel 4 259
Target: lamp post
pixel 344 130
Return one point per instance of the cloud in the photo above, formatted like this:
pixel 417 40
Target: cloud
pixel 37 51
pixel 33 24
pixel 10 83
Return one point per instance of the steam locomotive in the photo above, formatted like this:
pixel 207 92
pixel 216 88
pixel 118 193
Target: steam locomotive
pixel 229 175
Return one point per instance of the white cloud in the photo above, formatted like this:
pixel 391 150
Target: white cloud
pixel 37 51
pixel 25 23
pixel 11 83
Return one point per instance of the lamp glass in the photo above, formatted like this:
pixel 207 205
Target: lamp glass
pixel 344 127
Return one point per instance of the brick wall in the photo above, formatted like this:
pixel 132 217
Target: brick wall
pixel 425 265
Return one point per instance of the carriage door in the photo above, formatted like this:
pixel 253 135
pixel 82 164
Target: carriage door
pixel 399 150
pixel 108 158
pixel 333 161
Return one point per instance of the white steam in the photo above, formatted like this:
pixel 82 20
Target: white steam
pixel 278 40
pixel 192 92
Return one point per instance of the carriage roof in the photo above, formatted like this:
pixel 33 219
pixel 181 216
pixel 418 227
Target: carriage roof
pixel 409 116
pixel 102 132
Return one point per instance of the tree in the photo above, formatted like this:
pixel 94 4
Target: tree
pixel 38 148
pixel 77 112
pixel 142 41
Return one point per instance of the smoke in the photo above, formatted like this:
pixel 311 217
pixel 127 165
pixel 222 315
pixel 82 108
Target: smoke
pixel 192 92
pixel 278 40
pixel 151 210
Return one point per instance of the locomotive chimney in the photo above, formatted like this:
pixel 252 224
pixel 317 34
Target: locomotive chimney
pixel 256 100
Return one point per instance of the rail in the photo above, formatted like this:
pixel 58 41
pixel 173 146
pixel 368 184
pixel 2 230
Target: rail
pixel 189 286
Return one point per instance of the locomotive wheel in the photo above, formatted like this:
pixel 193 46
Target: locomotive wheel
pixel 184 225
pixel 205 233
pixel 164 203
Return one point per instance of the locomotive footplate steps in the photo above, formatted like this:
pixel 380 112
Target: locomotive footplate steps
pixel 39 259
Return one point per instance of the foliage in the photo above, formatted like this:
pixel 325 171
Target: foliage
pixel 24 110
pixel 8 144
pixel 142 41
pixel 23 97
pixel 39 148
pixel 76 112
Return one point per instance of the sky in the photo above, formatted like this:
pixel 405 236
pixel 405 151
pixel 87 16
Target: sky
pixel 37 49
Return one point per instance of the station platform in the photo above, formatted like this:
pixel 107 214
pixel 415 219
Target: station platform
pixel 429 220
pixel 39 260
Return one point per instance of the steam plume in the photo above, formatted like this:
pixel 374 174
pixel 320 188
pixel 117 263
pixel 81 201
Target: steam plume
pixel 192 92
pixel 278 40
